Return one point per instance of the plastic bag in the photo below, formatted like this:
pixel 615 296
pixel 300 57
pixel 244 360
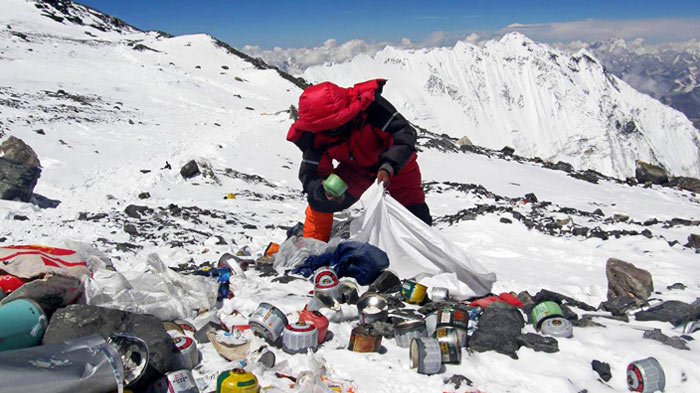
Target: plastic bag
pixel 151 289
pixel 414 247
pixel 296 249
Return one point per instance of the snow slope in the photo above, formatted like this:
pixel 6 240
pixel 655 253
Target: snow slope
pixel 111 117
pixel 539 100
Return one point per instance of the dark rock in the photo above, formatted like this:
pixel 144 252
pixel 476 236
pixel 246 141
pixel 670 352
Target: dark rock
pixel 677 285
pixel 458 380
pixel 673 311
pixel 220 241
pixel 646 172
pixel 80 320
pixel 127 247
pixel 597 212
pixel 40 131
pixel 588 175
pixel 620 217
pixel 547 295
pixel 498 330
pixel 599 233
pixel 286 279
pixel 144 195
pixel 19 217
pixel 603 370
pixel 506 220
pixel 387 282
pixel 135 211
pixel 647 233
pixel 686 183
pixel 525 298
pixel 568 313
pixel 693 241
pixel 507 151
pixel 624 279
pixel 17 181
pixel 564 166
pixel 15 150
pixel 620 305
pixel 131 229
pixel 651 221
pixel 675 342
pixel 586 321
pixel 538 343
pixel 532 198
pixel 580 231
pixel 189 170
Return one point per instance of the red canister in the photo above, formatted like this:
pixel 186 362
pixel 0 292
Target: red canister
pixel 9 284
pixel 318 320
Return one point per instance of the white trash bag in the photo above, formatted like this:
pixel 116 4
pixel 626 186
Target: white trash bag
pixel 416 248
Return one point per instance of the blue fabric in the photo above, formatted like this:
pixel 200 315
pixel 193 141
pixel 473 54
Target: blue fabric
pixel 361 261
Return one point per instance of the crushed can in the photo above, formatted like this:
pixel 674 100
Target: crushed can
pixel 180 381
pixel 262 356
pixel 22 324
pixel 237 381
pixel 186 355
pixel 317 319
pixel 557 327
pixel 413 292
pixel 326 281
pixel 406 331
pixel 299 337
pixel 86 364
pixel 646 376
pixel 268 322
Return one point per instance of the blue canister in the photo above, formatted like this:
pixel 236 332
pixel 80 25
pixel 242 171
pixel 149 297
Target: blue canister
pixel 22 324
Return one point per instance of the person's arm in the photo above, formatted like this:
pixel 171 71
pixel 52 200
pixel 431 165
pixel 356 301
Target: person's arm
pixel 383 115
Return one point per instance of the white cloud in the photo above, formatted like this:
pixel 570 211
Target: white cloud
pixel 652 30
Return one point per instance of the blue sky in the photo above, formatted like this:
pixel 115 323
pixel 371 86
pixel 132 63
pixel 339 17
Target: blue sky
pixel 306 23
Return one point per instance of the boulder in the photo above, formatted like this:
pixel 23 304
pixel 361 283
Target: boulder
pixel 189 170
pixel 654 174
pixel 603 370
pixel 538 343
pixel 136 211
pixel 19 170
pixel 673 311
pixel 464 141
pixel 693 241
pixel 686 183
pixel 80 320
pixel 507 151
pixel 498 330
pixel 624 279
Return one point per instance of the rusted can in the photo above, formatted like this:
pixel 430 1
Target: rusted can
pixel 268 322
pixel 451 350
pixel 363 338
pixel 406 331
pixel 326 281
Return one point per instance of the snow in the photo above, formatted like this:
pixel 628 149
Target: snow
pixel 541 101
pixel 174 108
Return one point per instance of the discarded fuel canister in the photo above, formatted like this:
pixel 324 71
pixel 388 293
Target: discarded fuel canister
pixel 413 292
pixel 364 338
pixel 439 294
pixel 326 281
pixel 133 353
pixel 22 324
pixel 173 329
pixel 186 355
pixel 426 355
pixel 372 308
pixel 317 319
pixel 237 381
pixel 263 356
pixel 646 376
pixel 406 331
pixel 557 327
pixel 180 381
pixel 451 350
pixel 186 326
pixel 349 291
pixel 268 322
pixel 334 185
pixel 543 311
pixel 323 300
pixel 86 364
pixel 453 316
pixel 299 337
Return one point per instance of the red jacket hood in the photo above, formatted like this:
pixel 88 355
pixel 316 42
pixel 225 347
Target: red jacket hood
pixel 327 106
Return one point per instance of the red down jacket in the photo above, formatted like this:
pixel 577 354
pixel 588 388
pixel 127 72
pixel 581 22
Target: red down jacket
pixel 363 132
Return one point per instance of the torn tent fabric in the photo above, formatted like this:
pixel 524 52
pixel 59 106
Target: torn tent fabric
pixel 414 248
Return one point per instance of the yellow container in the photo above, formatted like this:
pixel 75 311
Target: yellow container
pixel 413 292
pixel 237 381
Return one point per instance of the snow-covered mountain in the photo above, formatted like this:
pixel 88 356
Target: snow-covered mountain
pixel 539 100
pixel 113 114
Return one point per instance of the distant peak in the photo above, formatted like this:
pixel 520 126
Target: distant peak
pixel 516 37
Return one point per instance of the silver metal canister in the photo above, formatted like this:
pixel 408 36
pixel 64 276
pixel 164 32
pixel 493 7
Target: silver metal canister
pixel 646 376
pixel 372 307
pixel 180 381
pixel 268 322
pixel 426 355
pixel 326 281
pixel 186 357
pixel 448 337
pixel 63 368
pixel 557 327
pixel 453 316
pixel 299 337
pixel 406 331
pixel 439 294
